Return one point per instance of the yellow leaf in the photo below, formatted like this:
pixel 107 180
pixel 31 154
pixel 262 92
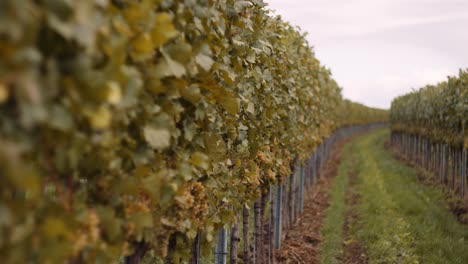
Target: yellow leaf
pixel 143 43
pixel 114 93
pixel 100 119
pixel 230 103
pixel 121 27
pixel 3 93
pixel 163 30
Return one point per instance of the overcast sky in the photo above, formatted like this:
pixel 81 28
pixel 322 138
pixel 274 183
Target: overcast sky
pixel 379 49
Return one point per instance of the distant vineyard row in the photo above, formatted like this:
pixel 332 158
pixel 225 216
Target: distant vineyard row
pixel 438 112
pixel 429 128
pixel 125 121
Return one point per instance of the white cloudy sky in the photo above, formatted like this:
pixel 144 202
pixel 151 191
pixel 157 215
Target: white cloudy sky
pixel 379 49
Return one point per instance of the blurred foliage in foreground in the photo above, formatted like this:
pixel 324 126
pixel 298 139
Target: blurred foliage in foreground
pixel 123 121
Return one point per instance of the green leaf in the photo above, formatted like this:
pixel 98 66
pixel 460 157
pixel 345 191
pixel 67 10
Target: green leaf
pixel 200 160
pixel 54 227
pixel 60 118
pixel 179 51
pixel 231 104
pixel 142 221
pixel 192 234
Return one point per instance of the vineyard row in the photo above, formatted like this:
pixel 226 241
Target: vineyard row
pixel 277 210
pixel 132 126
pixel 429 128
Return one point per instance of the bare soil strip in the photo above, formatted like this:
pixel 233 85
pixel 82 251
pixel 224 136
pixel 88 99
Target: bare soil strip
pixel 303 240
pixel 354 250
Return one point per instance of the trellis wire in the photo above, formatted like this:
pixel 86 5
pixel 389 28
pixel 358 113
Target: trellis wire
pixel 447 162
pixel 286 203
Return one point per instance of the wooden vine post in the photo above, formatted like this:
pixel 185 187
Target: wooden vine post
pixel 245 235
pixel 233 254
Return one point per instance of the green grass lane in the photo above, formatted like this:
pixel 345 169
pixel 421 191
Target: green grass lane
pixel 385 230
pixel 401 220
pixel 332 230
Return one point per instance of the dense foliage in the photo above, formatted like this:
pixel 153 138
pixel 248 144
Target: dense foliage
pixel 438 112
pixel 123 121
pixel 351 113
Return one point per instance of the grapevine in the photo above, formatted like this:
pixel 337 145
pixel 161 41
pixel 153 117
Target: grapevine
pixel 126 121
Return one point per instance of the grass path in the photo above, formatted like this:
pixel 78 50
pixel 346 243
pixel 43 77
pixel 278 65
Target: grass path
pixel 399 220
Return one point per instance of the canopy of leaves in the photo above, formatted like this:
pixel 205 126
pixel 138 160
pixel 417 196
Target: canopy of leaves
pixel 439 112
pixel 351 113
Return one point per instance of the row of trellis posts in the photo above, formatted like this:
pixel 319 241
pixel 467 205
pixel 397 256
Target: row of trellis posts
pixel 448 163
pixel 275 211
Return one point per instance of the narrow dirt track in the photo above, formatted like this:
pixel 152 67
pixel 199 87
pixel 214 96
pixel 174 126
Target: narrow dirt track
pixel 302 243
pixel 369 207
pixel 354 250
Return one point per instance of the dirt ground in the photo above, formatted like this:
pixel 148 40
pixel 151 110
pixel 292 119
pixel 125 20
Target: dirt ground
pixel 354 251
pixel 303 240
pixel 302 243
